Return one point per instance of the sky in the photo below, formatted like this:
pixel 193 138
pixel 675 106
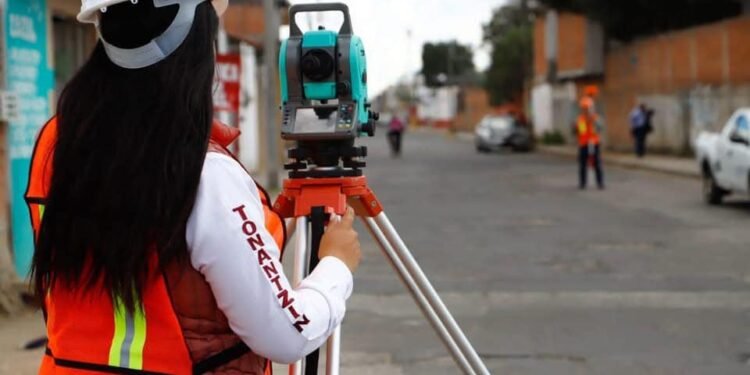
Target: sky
pixel 385 27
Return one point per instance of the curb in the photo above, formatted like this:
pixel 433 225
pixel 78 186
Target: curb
pixel 618 161
pixel 462 136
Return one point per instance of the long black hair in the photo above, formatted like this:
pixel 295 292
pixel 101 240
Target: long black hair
pixel 128 158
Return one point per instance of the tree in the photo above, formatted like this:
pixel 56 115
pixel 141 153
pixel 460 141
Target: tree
pixel 446 62
pixel 509 34
pixel 625 20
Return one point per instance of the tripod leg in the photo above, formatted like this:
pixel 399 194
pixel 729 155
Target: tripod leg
pixel 419 297
pixel 299 271
pixel 317 228
pixel 291 227
pixel 333 353
pixel 424 285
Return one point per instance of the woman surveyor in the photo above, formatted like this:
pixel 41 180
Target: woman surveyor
pixel 155 251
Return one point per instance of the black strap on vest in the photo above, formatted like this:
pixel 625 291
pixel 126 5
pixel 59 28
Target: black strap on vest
pixel 220 359
pixel 209 364
pixel 87 366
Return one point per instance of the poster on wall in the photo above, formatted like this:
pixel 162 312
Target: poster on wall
pixel 29 77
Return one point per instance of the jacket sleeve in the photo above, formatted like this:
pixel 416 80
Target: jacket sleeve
pixel 231 247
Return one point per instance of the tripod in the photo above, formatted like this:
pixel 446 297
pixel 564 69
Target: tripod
pixel 308 197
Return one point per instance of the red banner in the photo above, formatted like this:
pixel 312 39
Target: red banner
pixel 227 94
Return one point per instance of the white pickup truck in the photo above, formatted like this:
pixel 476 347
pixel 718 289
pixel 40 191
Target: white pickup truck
pixel 725 158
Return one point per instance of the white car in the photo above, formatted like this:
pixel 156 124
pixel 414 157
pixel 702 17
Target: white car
pixel 497 131
pixel 725 158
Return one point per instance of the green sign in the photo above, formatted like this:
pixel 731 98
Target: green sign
pixel 29 77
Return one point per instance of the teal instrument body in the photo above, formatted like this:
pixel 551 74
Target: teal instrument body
pixel 325 72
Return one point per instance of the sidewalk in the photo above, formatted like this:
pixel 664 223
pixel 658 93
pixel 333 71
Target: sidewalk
pixel 14 332
pixel 680 166
pixel 685 167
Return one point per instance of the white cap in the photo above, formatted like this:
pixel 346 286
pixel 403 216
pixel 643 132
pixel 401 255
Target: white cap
pixel 89 8
pixel 160 47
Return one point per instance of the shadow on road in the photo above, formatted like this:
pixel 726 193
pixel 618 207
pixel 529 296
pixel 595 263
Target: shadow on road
pixel 738 205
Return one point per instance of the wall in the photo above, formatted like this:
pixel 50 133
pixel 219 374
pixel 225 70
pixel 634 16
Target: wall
pixel 571 40
pixel 437 106
pixel 28 75
pixel 37 48
pixel 553 108
pixel 7 271
pixel 66 8
pixel 568 45
pixel 476 104
pixel 540 60
pixel 694 79
pixel 568 53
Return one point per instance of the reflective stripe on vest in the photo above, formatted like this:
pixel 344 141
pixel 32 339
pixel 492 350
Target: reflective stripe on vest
pixel 126 349
pixel 586 131
pixel 96 332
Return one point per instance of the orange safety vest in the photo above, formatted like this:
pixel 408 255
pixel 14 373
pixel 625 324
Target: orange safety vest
pixel 178 329
pixel 586 130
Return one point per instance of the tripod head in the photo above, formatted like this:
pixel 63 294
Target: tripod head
pixel 326 159
pixel 324 97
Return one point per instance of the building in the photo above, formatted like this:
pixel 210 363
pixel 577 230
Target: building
pixel 29 76
pixel 455 107
pixel 693 78
pixel 568 55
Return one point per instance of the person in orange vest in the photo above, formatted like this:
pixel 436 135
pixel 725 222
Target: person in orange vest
pixel 156 252
pixel 587 130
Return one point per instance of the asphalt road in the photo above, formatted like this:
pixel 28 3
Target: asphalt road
pixel 641 278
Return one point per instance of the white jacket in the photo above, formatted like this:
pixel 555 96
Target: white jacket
pixel 230 246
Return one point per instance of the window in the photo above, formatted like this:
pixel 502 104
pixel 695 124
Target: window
pixel 741 127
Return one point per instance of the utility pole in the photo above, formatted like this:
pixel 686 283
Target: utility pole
pixel 270 60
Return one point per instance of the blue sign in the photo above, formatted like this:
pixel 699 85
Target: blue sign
pixel 29 76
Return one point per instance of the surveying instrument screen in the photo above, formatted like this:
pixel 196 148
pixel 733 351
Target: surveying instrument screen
pixel 308 122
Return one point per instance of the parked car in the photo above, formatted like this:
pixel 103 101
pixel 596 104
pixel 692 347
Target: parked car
pixel 725 158
pixel 498 131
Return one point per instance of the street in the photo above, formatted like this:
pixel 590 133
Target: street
pixel 642 278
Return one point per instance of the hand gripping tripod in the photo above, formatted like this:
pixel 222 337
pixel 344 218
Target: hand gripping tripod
pixel 308 196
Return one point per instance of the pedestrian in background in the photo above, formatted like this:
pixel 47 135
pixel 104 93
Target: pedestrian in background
pixel 649 124
pixel 396 129
pixel 587 128
pixel 640 126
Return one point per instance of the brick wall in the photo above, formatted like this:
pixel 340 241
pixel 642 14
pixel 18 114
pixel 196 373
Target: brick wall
pixel 738 33
pixel 578 52
pixel 476 105
pixel 694 78
pixel 571 41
